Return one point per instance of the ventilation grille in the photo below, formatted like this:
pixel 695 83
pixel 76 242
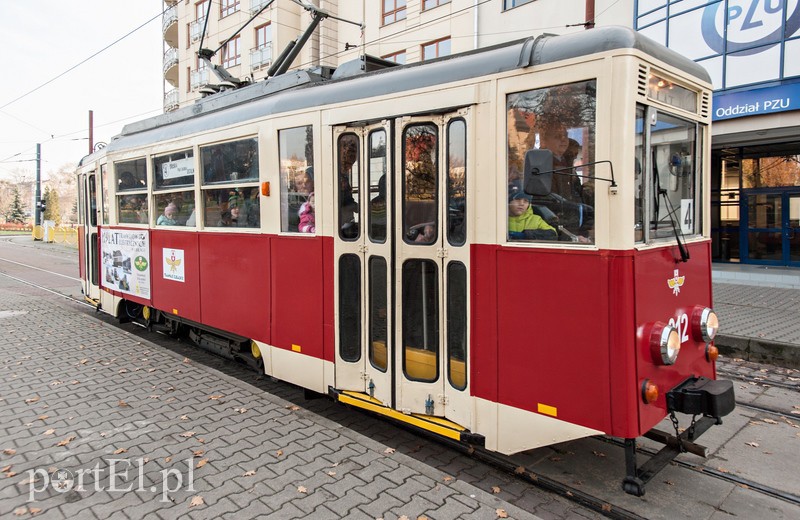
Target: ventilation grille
pixel 641 83
pixel 705 104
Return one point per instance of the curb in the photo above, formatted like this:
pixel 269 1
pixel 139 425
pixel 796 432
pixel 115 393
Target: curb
pixel 777 353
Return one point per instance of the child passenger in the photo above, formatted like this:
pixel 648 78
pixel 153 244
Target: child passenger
pixel 523 223
pixel 168 218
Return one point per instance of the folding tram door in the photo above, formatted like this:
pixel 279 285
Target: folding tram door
pixel 401 264
pixel 89 194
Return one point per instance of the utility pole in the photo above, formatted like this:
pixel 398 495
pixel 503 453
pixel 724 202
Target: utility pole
pixel 91 130
pixel 37 215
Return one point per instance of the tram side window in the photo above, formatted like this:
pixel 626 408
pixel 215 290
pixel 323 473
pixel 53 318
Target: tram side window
pixel 349 193
pixel 296 153
pixel 420 184
pixel 174 182
pixel 92 200
pixel 638 177
pixel 230 184
pixel 131 178
pixel 456 182
pixel 104 183
pixel 377 186
pixel 560 121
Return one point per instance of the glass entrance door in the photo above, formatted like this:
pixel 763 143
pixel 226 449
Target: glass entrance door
pixel 772 230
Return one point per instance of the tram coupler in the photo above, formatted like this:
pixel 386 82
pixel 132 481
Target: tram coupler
pixel 697 396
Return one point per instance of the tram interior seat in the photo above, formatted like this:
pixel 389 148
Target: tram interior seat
pixel 421 364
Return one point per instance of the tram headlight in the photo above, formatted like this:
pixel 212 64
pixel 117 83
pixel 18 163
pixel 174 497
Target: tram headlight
pixel 665 344
pixel 705 324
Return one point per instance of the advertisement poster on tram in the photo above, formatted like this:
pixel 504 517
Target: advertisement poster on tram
pixel 126 261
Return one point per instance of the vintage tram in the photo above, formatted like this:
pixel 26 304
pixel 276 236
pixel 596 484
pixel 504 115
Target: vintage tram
pixel 508 247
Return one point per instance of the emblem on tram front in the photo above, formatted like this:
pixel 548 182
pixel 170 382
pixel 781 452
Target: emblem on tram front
pixel 676 282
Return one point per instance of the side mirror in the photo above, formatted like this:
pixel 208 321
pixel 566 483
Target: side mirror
pixel 538 172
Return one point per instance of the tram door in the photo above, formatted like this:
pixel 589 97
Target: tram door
pixel 432 255
pixel 91 260
pixel 363 241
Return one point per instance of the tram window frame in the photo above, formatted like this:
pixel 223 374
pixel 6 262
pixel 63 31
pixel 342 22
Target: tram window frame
pixel 348 172
pixel 230 175
pixel 413 307
pixel 660 230
pixel 92 199
pixel 456 205
pixel 457 296
pixel 104 186
pixel 132 200
pixel 378 140
pixel 423 209
pixel 295 175
pixel 378 312
pixel 171 189
pixel 561 118
pixel 350 307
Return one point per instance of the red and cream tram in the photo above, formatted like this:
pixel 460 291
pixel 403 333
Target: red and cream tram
pixel 508 247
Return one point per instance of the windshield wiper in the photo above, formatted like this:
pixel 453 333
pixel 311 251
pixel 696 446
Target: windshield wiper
pixel 678 235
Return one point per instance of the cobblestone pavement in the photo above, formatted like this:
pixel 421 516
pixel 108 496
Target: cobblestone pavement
pixel 144 432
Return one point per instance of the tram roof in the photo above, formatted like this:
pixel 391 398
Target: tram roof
pixel 299 89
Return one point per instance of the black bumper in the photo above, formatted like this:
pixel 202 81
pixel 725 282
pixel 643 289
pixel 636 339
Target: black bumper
pixel 702 396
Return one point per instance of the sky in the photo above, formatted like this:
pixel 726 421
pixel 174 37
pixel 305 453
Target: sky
pixel 44 38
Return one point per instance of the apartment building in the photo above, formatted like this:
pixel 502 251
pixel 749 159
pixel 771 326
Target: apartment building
pixel 749 47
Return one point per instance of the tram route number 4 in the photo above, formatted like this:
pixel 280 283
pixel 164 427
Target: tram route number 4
pixel 687 216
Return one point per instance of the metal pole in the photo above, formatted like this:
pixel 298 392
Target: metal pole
pixel 91 131
pixel 37 215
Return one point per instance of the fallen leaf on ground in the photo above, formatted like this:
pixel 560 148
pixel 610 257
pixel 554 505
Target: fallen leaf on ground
pixel 495 489
pixel 201 463
pixel 598 454
pixel 168 459
pixel 9 451
pixel 216 397
pixel 7 468
pixel 501 513
pixel 66 441
pixel 187 434
pixel 198 453
pixel 35 510
pixel 187 360
pixel 389 451
pixel 32 400
pixel 293 407
pixel 331 473
pixel 21 511
pixel 121 450
pixel 753 444
pixel 240 410
pixel 43 417
pixel 770 421
pixel 520 470
pixel 197 501
pixel 302 489
pixel 249 473
pixel 184 417
pixel 122 404
pixel 279 453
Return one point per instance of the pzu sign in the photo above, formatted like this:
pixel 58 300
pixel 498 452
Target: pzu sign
pixel 748 24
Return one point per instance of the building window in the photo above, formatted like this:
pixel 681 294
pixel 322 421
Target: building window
pixel 510 4
pixel 436 49
pixel 228 7
pixel 430 4
pixel 196 26
pixel 230 54
pixel 397 57
pixel 261 55
pixel 393 11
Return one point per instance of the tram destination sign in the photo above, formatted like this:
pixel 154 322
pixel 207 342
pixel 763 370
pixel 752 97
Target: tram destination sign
pixel 760 101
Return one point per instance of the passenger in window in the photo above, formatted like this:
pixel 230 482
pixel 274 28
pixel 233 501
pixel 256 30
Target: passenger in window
pixel 192 220
pixel 348 207
pixel 304 183
pixel 307 218
pixel 427 234
pixel 168 218
pixel 523 223
pixel 128 182
pixel 565 150
pixel 377 209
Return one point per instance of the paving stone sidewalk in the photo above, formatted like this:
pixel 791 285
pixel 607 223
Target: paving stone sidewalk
pixel 98 423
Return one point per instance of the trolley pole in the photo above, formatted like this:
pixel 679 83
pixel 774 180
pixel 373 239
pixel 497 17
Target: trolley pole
pixel 37 215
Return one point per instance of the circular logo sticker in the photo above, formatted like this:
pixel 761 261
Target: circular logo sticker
pixel 140 263
pixel 751 24
pixel 62 480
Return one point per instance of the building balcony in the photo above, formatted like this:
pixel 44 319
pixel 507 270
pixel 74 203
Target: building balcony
pixel 255 5
pixel 261 57
pixel 198 78
pixel 196 29
pixel 171 100
pixel 169 26
pixel 171 66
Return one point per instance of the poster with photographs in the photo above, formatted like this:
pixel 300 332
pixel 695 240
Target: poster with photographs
pixel 126 261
